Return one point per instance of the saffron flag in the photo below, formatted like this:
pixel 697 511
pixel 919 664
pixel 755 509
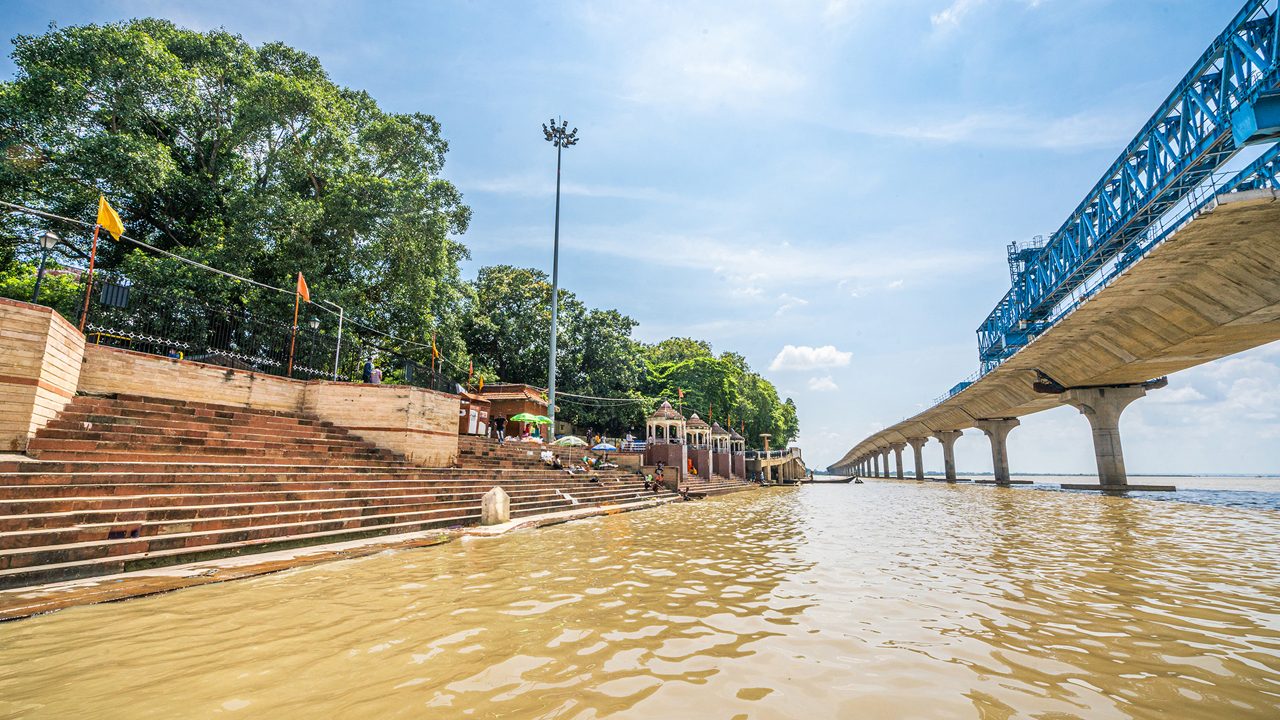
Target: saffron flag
pixel 303 290
pixel 481 384
pixel 681 392
pixel 108 218
pixel 471 368
pixel 434 352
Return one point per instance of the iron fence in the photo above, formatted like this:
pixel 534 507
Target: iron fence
pixel 255 335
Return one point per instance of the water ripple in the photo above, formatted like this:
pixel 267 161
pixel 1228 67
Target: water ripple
pixel 881 600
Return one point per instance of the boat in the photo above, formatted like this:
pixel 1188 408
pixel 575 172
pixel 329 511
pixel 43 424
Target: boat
pixel 828 481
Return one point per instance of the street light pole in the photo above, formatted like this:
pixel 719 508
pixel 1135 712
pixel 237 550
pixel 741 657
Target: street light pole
pixel 48 242
pixel 559 135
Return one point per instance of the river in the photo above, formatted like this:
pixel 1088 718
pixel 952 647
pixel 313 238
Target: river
pixel 883 600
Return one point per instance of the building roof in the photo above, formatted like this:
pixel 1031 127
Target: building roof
pixel 666 412
pixel 733 435
pixel 717 431
pixel 513 391
pixel 697 422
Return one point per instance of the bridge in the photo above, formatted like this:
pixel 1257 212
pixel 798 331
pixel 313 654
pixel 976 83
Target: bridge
pixel 779 467
pixel 1171 260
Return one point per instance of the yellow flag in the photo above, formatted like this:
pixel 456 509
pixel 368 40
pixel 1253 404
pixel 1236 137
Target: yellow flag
pixel 108 218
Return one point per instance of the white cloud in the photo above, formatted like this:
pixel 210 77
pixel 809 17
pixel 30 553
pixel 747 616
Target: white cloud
pixel 896 284
pixel 1177 396
pixel 953 13
pixel 538 186
pixel 1008 127
pixel 823 384
pixel 804 357
pixel 788 302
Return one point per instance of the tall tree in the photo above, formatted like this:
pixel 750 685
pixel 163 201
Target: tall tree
pixel 249 159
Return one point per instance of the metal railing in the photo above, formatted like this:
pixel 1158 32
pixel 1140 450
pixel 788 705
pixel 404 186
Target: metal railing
pixel 255 337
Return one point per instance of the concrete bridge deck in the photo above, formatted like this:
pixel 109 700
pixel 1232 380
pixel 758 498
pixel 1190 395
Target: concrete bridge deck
pixel 1209 290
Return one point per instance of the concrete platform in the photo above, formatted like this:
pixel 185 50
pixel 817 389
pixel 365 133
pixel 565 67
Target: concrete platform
pixel 1120 488
pixel 1011 482
pixel 944 480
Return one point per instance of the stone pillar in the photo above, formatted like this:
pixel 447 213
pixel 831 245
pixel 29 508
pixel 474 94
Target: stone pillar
pixel 997 431
pixel 884 452
pixel 875 465
pixel 1102 407
pixel 897 455
pixel 495 507
pixel 948 439
pixel 917 445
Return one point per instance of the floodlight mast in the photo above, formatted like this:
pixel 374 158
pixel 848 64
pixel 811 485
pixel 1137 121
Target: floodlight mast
pixel 557 134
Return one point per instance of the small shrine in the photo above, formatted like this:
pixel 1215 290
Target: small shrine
pixel 697 432
pixel 719 439
pixel 665 425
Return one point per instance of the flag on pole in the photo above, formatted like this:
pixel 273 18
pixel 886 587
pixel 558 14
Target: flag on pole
pixel 481 384
pixel 434 352
pixel 471 369
pixel 680 392
pixel 303 290
pixel 108 218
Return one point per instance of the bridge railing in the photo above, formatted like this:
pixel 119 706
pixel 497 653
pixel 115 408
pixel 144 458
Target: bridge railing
pixel 1264 172
pixel 1183 143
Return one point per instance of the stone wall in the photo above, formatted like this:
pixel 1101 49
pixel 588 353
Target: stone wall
pixel 114 370
pixel 722 464
pixel 44 362
pixel 39 369
pixel 420 424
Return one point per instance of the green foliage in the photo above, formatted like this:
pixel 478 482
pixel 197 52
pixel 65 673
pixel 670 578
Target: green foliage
pixel 60 291
pixel 249 159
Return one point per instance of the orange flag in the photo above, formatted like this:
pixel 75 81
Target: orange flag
pixel 303 290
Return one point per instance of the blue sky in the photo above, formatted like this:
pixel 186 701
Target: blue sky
pixel 839 176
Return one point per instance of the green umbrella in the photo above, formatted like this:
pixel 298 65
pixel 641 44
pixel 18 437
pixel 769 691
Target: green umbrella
pixel 542 419
pixel 525 417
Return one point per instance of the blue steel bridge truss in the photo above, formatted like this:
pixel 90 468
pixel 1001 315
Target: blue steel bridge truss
pixel 1225 102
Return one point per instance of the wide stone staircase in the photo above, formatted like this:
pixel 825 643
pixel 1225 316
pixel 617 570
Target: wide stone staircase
pixel 715 485
pixel 123 483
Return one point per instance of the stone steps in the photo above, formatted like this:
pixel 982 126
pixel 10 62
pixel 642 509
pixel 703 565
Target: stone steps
pixel 130 482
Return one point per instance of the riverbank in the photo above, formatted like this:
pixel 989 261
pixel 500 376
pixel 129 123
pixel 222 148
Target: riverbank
pixel 25 602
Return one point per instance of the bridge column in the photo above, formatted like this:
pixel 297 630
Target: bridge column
pixel 875 465
pixel 917 446
pixel 948 439
pixel 884 458
pixel 997 431
pixel 1102 407
pixel 897 455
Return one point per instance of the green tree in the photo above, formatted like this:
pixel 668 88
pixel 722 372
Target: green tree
pixel 249 159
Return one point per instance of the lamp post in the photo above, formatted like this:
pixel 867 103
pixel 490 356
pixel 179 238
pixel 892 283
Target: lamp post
pixel 48 241
pixel 559 135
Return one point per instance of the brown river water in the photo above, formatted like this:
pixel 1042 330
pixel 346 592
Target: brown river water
pixel 883 600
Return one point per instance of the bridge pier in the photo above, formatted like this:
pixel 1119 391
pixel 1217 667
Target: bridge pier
pixel 948 439
pixel 897 455
pixel 997 430
pixel 875 465
pixel 884 455
pixel 1102 406
pixel 917 447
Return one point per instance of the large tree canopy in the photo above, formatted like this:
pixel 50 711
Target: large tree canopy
pixel 249 159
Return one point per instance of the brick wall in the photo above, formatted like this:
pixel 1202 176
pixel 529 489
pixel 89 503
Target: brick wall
pixel 420 424
pixel 44 362
pixel 113 370
pixel 39 369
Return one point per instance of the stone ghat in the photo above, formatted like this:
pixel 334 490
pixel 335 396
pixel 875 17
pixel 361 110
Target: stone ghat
pixel 129 482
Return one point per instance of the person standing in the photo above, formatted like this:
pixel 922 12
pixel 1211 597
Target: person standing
pixel 500 429
pixel 366 375
pixel 375 376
